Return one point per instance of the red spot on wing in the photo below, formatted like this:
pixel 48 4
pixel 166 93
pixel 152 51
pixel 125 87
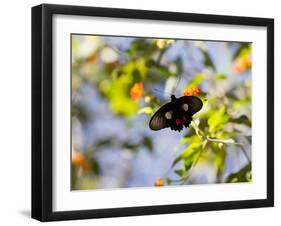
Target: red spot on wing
pixel 178 121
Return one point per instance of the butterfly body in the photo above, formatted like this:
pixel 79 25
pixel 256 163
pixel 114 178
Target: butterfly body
pixel 176 114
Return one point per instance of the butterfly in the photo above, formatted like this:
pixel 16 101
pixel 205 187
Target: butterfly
pixel 176 114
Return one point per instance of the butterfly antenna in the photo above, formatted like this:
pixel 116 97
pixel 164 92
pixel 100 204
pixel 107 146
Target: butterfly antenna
pixel 177 84
pixel 160 91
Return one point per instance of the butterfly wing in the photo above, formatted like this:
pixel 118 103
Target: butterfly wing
pixel 179 117
pixel 158 120
pixel 194 104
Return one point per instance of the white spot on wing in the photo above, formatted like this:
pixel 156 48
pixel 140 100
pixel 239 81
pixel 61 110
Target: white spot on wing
pixel 185 107
pixel 168 115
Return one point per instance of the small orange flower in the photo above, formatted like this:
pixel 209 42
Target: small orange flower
pixel 242 64
pixel 159 182
pixel 79 160
pixel 136 91
pixel 195 91
pixel 86 166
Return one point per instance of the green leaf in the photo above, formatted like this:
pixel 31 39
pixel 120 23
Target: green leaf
pixel 137 69
pixel 79 111
pixel 244 49
pixel 220 77
pixel 131 147
pixel 179 65
pixel 95 166
pixel 184 140
pixel 159 69
pixel 138 46
pixel 217 120
pixel 103 142
pixel 146 110
pixel 190 152
pixel 118 95
pixel 220 155
pixel 168 181
pixel 177 159
pixel 196 80
pixel 147 142
pixel 87 183
pixel 188 165
pixel 243 119
pixel 180 172
pixel 208 61
pixel 243 175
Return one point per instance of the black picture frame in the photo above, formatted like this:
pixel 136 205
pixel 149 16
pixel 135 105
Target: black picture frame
pixel 42 107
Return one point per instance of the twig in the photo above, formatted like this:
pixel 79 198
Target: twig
pixel 202 135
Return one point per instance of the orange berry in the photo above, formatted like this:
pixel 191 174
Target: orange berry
pixel 159 182
pixel 78 158
pixel 194 91
pixel 242 64
pixel 136 91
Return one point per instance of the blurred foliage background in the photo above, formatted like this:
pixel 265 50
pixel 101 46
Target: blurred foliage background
pixel 119 82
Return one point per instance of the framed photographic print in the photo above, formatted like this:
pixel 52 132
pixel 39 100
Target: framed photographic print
pixel 145 112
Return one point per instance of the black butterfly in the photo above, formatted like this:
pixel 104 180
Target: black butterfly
pixel 176 114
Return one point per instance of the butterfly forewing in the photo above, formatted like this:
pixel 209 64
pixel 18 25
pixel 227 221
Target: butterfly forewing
pixel 158 120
